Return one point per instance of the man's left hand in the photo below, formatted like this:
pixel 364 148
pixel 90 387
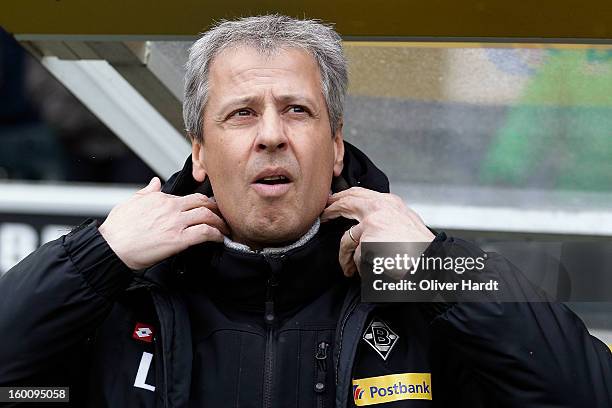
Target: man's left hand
pixel 382 217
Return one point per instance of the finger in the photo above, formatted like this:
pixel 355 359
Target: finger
pixel 350 207
pixel 356 231
pixel 357 259
pixel 153 186
pixel 212 206
pixel 345 255
pixel 196 234
pixel 195 200
pixel 203 215
pixel 353 192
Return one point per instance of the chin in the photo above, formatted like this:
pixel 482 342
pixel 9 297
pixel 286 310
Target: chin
pixel 277 232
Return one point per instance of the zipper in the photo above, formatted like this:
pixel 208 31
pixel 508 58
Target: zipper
pixel 351 309
pixel 360 313
pixel 275 263
pixel 321 375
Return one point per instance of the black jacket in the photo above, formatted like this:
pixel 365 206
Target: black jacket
pixel 218 327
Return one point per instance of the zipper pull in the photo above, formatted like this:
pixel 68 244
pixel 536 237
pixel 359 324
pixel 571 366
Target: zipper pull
pixel 321 355
pixel 269 315
pixel 275 264
pixel 321 358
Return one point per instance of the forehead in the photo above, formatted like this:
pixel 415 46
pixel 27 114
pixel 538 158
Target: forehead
pixel 241 67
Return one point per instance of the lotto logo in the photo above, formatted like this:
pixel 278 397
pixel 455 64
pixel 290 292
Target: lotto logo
pixel 143 332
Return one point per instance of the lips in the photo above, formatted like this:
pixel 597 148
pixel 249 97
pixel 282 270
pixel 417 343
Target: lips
pixel 273 176
pixel 272 182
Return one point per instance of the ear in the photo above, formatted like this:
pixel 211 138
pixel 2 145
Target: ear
pixel 338 142
pixel 197 159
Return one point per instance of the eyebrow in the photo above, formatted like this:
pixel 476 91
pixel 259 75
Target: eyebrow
pixel 295 98
pixel 241 101
pixel 249 100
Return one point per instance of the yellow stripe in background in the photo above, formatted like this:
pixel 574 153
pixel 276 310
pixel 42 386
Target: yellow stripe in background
pixel 394 387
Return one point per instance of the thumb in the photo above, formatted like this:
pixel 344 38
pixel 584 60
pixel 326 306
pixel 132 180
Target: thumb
pixel 153 186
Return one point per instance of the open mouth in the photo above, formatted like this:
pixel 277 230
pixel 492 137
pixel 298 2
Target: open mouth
pixel 272 180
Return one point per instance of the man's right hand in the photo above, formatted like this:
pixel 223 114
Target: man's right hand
pixel 152 226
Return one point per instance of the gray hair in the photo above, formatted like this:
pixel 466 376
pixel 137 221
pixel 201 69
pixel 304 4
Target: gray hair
pixel 266 34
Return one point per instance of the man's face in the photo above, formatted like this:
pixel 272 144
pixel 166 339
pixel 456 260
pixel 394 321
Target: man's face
pixel 268 148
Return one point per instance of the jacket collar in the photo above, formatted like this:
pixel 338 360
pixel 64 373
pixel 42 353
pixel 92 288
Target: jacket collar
pixel 240 279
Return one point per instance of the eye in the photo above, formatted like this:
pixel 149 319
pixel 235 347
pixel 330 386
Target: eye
pixel 241 112
pixel 297 109
pixel 240 116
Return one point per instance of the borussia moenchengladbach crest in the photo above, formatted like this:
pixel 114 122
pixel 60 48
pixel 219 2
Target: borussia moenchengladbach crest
pixel 380 336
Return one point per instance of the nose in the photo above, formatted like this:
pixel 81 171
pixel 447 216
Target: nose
pixel 271 134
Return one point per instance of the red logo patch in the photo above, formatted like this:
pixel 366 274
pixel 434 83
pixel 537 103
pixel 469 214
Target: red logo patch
pixel 143 332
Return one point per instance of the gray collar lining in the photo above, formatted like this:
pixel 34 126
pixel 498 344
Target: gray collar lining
pixel 275 250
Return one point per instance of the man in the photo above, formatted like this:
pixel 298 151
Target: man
pixel 236 284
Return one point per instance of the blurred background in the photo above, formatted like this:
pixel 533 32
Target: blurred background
pixel 507 144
